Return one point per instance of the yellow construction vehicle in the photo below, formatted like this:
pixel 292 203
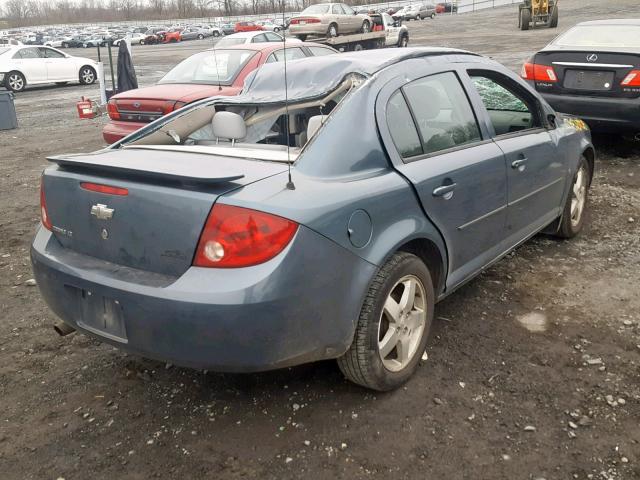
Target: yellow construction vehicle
pixel 534 13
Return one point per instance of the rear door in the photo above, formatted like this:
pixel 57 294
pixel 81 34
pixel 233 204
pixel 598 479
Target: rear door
pixel 536 171
pixel 459 174
pixel 31 63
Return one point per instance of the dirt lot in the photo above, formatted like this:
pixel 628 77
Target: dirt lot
pixel 493 401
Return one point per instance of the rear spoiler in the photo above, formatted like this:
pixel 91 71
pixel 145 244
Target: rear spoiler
pixel 185 168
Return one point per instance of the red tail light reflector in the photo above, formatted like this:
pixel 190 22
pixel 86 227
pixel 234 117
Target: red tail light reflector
pixel 112 110
pixel 297 21
pixel 538 73
pixel 44 215
pixel 240 237
pixel 109 190
pixel 632 80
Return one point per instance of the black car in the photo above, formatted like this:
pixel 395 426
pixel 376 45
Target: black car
pixel 592 71
pixel 75 42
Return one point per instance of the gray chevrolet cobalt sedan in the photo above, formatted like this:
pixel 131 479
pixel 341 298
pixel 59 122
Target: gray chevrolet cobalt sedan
pixel 248 233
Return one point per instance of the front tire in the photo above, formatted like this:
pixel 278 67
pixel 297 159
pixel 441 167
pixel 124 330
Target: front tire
pixel 216 34
pixel 393 326
pixel 553 22
pixel 332 32
pixel 87 75
pixel 15 81
pixel 366 28
pixel 576 205
pixel 200 37
pixel 403 42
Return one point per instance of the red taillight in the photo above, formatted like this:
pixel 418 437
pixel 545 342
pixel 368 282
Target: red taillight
pixel 538 73
pixel 109 190
pixel 297 21
pixel 112 110
pixel 527 71
pixel 44 215
pixel 170 106
pixel 632 80
pixel 239 237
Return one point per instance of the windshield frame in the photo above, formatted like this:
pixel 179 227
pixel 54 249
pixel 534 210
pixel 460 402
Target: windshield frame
pixel 226 82
pixel 561 42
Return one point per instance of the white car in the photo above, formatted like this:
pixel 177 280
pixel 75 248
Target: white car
pixel 241 38
pixel 55 43
pixel 136 39
pixel 31 65
pixel 268 25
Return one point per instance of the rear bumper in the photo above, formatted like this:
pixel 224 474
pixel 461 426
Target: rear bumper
pixel 601 114
pixel 309 29
pixel 299 307
pixel 116 130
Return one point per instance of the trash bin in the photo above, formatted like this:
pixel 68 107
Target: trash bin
pixel 8 118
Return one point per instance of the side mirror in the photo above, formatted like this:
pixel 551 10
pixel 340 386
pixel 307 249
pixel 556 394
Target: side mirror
pixel 551 118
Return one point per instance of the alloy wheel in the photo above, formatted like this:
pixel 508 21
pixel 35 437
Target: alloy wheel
pixel 402 323
pixel 88 76
pixel 16 82
pixel 578 196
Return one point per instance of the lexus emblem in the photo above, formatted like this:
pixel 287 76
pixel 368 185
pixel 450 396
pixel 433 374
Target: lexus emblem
pixel 592 58
pixel 101 212
pixel 137 104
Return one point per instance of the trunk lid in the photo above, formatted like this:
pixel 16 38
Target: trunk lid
pixel 150 103
pixel 595 73
pixel 156 225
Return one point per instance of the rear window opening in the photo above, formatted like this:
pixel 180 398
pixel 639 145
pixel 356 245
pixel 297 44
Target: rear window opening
pixel 270 132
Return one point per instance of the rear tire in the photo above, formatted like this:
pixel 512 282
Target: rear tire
pixel 398 308
pixel 141 42
pixel 577 201
pixel 200 37
pixel 553 22
pixel 525 19
pixel 216 34
pixel 433 15
pixel 403 42
pixel 15 81
pixel 366 28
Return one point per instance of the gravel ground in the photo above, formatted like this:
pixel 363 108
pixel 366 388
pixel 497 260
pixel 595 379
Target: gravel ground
pixel 532 373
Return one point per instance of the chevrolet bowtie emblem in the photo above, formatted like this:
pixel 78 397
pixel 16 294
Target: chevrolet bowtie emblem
pixel 101 212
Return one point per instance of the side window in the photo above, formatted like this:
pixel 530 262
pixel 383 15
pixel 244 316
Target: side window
pixel 50 53
pixel 320 51
pixel 442 111
pixel 403 130
pixel 508 109
pixel 28 53
pixel 273 37
pixel 336 9
pixel 292 54
pixel 259 39
pixel 347 9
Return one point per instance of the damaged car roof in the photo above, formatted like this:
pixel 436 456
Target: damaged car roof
pixel 314 76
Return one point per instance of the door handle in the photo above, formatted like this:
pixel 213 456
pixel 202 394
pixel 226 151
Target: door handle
pixel 519 163
pixel 444 190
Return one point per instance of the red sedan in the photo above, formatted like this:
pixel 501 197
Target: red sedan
pixel 247 27
pixel 206 74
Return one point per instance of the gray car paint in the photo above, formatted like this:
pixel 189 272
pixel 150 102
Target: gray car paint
pixel 303 305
